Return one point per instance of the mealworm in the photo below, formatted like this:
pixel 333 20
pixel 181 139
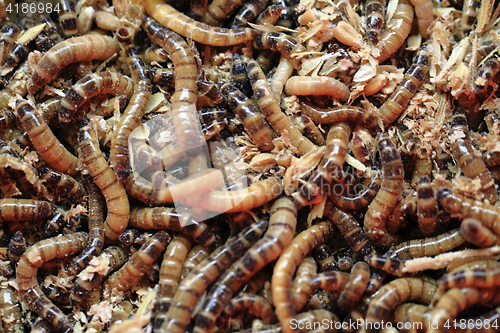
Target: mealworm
pixel 10 311
pixel 55 293
pixel 42 326
pixel 325 258
pixel 155 53
pixel 95 222
pixel 202 33
pixel 193 259
pixel 7 118
pixel 219 10
pixel 340 113
pixel 427 207
pixel 406 89
pixel 16 85
pixel 66 188
pixel 170 273
pixel 391 38
pixel 363 145
pixel 317 85
pixel 387 197
pixel 17 246
pixel 355 287
pixel 23 210
pixel 8 36
pixel 282 223
pixel 114 256
pixel 26 274
pixel 76 49
pixel 55 222
pixel 468 16
pixel 350 229
pixel 104 83
pixel 194 285
pixel 486 73
pixel 476 275
pixel 282 43
pixel 44 140
pixel 50 29
pixel 17 54
pixel 43 42
pixel 253 121
pixel 335 281
pixel 361 200
pixel 269 15
pixel 285 267
pixel 302 286
pixel 474 233
pixel 104 177
pixel 395 293
pixel 213 120
pixel 124 310
pixel 67 18
pixel 257 306
pixel 239 74
pixel 135 268
pixel 423 11
pixel 272 111
pixel 283 72
pixel 375 18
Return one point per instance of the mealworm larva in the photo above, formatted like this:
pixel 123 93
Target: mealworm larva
pixel 114 256
pixel 421 166
pixel 355 287
pixel 302 286
pixel 286 265
pixel 257 306
pixel 468 16
pixel 282 43
pixel 406 89
pixel 219 10
pixel 26 274
pixel 168 218
pixel 476 275
pixel 335 281
pixel 74 49
pixel 316 85
pixel 325 258
pixel 67 18
pixel 44 140
pixel 340 113
pixel 239 74
pixel 42 326
pixel 272 111
pixel 423 11
pixel 363 145
pixel 395 293
pixel 212 121
pixel 282 223
pixel 8 36
pixel 23 210
pixel 389 194
pixel 7 118
pixel 170 273
pixel 155 53
pixel 253 121
pixel 474 233
pixel 208 89
pixel 17 246
pixel 138 264
pixel 283 72
pixel 361 200
pixel 43 42
pixel 195 284
pixel 96 203
pixel 427 207
pixel 193 259
pixel 375 18
pixel 66 188
pixel 391 38
pixel 55 222
pixel 51 30
pixel 486 73
pixel 202 33
pixel 10 311
pixel 104 83
pixel 104 177
pixel 269 15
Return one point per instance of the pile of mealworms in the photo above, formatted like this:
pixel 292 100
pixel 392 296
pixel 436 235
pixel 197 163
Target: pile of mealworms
pixel 257 166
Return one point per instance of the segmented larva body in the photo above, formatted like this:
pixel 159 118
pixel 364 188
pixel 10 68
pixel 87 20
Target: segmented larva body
pixel 361 200
pixel 67 18
pixel 469 16
pixel 479 274
pixel 317 85
pixel 170 274
pixel 239 75
pixel 302 286
pixel 350 229
pixel 140 262
pixel 194 257
pixel 51 30
pixel 375 18
pixel 282 223
pixel 362 144
pixel 26 274
pixel 76 49
pixel 272 111
pixel 44 140
pixel 90 86
pixel 340 113
pixel 104 177
pixel 256 305
pixel 195 284
pixel 17 54
pixel 474 233
pixel 115 257
pixel 199 32
pixel 395 293
pixel 423 11
pixel 253 121
pixel 55 222
pixel 213 120
pixel 391 38
pixel 96 204
pixel 7 118
pixel 335 281
pixel 23 210
pixel 355 287
pixel 10 311
pixel 387 197
pixel 155 53
pixel 486 73
pixel 270 15
pixel 219 10
pixel 283 72
pixel 282 43
pixel 65 187
pixel 17 246
pixel 427 207
pixel 197 9
pixel 406 89
pixel 8 36
pixel 412 317
pixel 473 166
pixel 158 218
pixel 285 267
pixel 422 167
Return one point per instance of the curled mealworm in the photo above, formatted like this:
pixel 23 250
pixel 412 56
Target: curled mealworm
pixel 355 287
pixel 280 42
pixel 361 200
pixel 66 188
pixel 71 50
pixel 474 233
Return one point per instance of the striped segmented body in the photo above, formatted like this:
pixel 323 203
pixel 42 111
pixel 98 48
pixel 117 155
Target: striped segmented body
pixel 474 233
pixel 427 207
pixel 355 287
pixel 23 210
pixel 375 18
